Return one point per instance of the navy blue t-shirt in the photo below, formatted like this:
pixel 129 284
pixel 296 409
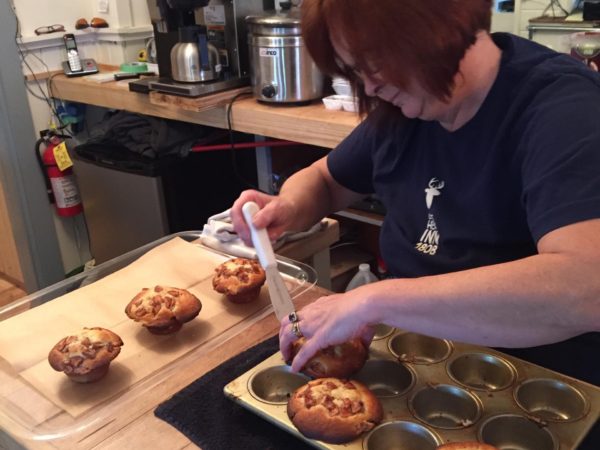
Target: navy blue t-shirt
pixel 527 163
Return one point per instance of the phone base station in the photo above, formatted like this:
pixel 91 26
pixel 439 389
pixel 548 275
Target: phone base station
pixel 88 66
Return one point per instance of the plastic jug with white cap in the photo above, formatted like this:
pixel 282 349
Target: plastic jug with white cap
pixel 363 276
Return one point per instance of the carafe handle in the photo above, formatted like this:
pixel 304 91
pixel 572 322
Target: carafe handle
pixel 203 52
pixel 215 58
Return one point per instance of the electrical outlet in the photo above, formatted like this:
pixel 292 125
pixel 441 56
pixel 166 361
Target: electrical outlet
pixel 103 6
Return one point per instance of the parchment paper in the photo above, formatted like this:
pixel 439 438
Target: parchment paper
pixel 26 339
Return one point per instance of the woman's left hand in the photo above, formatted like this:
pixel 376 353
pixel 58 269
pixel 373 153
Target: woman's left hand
pixel 330 320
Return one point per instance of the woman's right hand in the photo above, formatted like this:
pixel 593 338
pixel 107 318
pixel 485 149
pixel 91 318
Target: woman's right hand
pixel 330 320
pixel 276 215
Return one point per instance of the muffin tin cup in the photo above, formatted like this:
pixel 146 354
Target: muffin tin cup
pixel 552 400
pixel 275 385
pixel 445 406
pixel 481 371
pixel 419 349
pixel 512 431
pixel 382 331
pixel 401 435
pixel 386 378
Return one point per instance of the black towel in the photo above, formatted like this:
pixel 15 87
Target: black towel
pixel 213 422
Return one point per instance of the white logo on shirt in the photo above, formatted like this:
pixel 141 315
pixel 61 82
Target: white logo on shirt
pixel 429 241
pixel 435 186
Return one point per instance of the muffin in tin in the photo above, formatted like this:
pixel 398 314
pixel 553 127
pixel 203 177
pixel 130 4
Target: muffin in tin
pixel 338 361
pixel 334 410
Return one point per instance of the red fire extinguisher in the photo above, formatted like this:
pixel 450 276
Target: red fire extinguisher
pixel 60 184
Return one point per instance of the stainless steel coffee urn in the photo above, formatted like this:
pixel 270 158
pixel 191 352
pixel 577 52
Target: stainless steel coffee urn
pixel 282 71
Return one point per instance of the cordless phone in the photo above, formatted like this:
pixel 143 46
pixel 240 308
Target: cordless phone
pixel 74 65
pixel 72 54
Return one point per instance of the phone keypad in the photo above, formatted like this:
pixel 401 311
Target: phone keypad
pixel 74 61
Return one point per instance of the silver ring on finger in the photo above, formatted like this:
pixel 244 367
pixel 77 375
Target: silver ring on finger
pixel 293 317
pixel 296 329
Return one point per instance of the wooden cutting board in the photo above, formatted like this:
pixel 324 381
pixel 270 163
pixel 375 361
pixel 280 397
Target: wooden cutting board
pixel 197 103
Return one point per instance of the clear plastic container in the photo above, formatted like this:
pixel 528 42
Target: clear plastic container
pixel 28 414
pixel 362 277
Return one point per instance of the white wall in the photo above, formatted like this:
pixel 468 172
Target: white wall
pixel 121 13
pixel 129 28
pixel 503 21
pixel 35 13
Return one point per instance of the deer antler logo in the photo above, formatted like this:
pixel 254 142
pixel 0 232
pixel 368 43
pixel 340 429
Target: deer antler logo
pixel 435 186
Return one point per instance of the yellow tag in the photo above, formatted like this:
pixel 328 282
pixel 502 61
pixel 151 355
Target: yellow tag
pixel 61 156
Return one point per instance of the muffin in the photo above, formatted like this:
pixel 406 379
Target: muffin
pixel 85 357
pixel 334 410
pixel 163 309
pixel 338 361
pixel 240 279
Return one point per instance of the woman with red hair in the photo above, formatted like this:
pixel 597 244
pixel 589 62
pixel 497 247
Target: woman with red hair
pixel 485 150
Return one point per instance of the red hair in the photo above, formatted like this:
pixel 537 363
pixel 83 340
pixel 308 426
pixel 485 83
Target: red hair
pixel 402 39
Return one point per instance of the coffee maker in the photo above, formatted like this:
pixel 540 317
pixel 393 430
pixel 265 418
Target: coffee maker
pixel 202 45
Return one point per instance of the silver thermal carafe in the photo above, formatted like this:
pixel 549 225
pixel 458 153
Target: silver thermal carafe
pixel 282 70
pixel 193 58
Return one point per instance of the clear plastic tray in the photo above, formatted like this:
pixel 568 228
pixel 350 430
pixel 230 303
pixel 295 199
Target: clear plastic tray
pixel 17 414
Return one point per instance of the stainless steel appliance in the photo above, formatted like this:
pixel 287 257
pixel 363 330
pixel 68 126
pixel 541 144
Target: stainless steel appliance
pixel 225 32
pixel 193 59
pixel 282 70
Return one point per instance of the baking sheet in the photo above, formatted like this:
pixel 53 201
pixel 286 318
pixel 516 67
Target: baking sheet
pixel 487 389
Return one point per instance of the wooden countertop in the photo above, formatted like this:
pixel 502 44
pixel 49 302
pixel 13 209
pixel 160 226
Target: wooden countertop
pixel 135 426
pixel 311 124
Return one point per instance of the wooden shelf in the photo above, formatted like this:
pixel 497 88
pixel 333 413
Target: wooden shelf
pixel 309 124
pixel 564 21
pixel 361 216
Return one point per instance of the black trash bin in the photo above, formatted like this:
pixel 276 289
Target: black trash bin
pixel 130 200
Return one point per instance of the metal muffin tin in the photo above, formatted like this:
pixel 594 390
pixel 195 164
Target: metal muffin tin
pixel 435 391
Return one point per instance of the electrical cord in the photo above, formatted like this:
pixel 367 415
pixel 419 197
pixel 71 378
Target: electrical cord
pixel 44 97
pixel 555 3
pixel 232 143
pixel 49 84
pixel 79 239
pixel 62 126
